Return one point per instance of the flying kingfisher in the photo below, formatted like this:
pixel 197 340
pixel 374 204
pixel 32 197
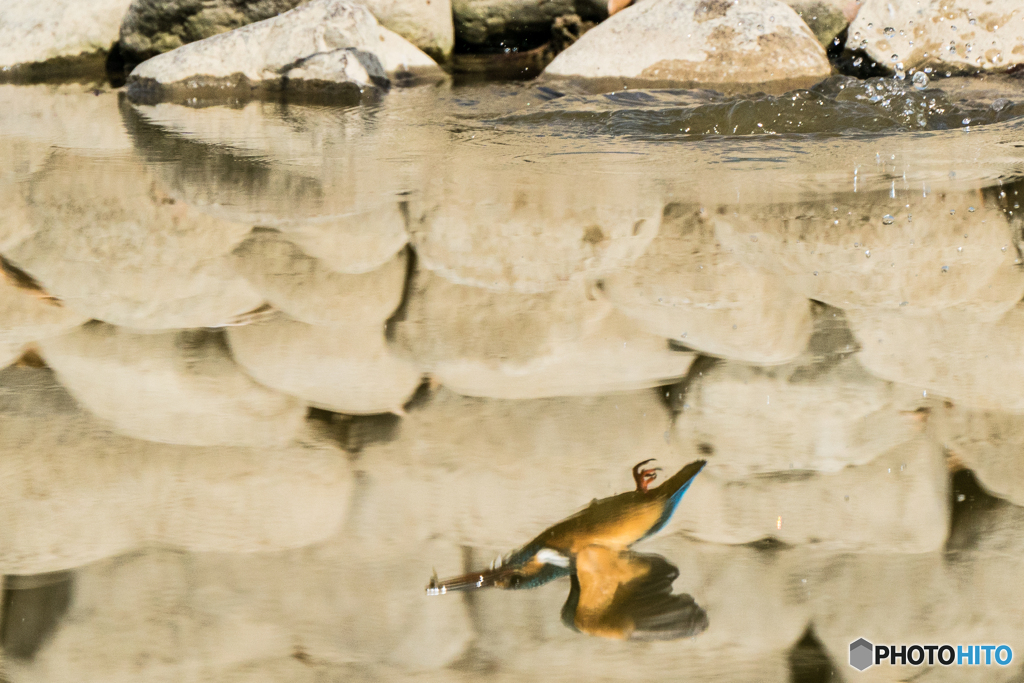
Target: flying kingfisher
pixel 615 592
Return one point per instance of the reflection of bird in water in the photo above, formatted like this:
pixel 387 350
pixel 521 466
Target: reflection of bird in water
pixel 616 593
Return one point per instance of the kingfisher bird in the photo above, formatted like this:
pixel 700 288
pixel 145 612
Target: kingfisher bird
pixel 615 592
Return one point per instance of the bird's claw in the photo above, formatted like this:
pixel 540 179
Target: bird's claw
pixel 644 477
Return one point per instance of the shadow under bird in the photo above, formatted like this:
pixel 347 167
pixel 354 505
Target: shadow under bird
pixel 616 592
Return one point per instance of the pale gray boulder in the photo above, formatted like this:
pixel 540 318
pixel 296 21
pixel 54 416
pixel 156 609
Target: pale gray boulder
pixel 260 55
pixel 750 44
pixel 957 35
pixel 75 492
pixel 688 288
pixel 345 369
pixel 173 387
pixel 154 26
pixel 60 32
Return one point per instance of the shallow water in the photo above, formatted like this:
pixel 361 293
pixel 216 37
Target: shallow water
pixel 266 367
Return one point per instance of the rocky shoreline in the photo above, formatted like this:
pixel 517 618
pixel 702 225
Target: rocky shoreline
pixel 729 45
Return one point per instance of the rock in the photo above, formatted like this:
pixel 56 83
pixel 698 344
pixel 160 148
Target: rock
pixel 826 18
pixel 338 201
pixel 989 443
pixel 489 21
pixel 258 55
pixel 957 35
pixel 111 244
pixel 75 493
pixel 688 288
pixel 509 345
pixel 759 45
pixel 953 353
pixel 346 369
pixel 341 72
pixel 307 290
pixel 474 227
pixel 174 387
pixel 427 24
pixel 819 417
pixel 54 34
pixel 943 250
pixel 154 26
pixel 896 503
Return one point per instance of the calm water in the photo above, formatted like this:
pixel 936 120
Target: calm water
pixel 267 366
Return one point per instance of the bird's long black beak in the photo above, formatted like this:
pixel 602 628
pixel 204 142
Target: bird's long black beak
pixel 466 582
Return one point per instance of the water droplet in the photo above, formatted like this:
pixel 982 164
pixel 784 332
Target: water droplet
pixel 960 497
pixel 815 273
pixel 867 254
pixel 1003 249
pixel 888 219
pixel 858 61
pixel 970 209
pixel 920 80
pixel 945 269
pixel 952 212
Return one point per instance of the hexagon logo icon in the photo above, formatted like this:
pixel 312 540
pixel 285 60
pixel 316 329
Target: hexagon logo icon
pixel 861 654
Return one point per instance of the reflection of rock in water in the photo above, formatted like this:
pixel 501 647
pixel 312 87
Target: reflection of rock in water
pixel 514 345
pixel 809 661
pixel 688 288
pixel 174 387
pixel 33 607
pixel 75 492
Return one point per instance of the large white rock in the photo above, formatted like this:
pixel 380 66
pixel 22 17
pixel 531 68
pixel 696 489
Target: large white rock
pixel 976 362
pixel 510 345
pixel 75 492
pixel 944 249
pixel 427 24
pixel 174 387
pixel 806 416
pixel 110 243
pixel 688 288
pixel 307 290
pixel 962 35
pixel 32 31
pixel 265 50
pixel 897 503
pixel 759 44
pixel 347 369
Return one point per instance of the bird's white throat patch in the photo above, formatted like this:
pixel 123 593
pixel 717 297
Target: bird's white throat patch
pixel 549 556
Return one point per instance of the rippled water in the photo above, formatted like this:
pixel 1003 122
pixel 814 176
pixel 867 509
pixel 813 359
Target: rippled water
pixel 267 367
